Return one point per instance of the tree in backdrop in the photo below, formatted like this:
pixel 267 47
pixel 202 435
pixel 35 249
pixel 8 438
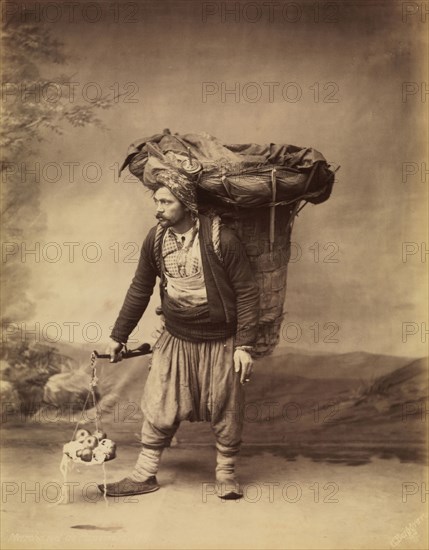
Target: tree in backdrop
pixel 29 111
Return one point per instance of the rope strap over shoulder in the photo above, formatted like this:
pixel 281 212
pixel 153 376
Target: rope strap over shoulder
pixel 216 221
pixel 157 246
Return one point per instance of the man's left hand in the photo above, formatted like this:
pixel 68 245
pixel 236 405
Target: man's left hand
pixel 243 362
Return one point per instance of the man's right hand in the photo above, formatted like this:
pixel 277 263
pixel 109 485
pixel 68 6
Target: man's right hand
pixel 114 350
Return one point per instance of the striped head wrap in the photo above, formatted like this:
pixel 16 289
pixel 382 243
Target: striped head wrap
pixel 180 186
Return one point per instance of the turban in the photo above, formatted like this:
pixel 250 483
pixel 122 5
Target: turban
pixel 181 187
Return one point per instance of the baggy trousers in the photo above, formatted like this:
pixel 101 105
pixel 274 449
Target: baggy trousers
pixel 193 381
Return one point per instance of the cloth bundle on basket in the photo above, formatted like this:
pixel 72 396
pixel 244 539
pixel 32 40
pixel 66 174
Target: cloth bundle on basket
pixel 255 189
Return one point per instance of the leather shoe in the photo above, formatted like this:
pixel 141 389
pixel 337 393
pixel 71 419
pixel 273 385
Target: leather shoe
pixel 128 487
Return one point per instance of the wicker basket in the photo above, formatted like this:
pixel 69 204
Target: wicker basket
pixel 269 266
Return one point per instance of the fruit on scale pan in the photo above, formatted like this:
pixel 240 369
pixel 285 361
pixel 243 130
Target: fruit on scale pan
pixel 109 448
pixel 90 448
pixel 90 442
pixel 86 455
pixel 81 435
pixel 99 434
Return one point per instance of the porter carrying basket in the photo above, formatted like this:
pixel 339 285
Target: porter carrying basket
pixel 255 189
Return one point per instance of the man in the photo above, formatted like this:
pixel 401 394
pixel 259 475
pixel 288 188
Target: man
pixel 201 361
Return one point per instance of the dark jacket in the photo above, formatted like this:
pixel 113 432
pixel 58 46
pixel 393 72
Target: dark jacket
pixel 232 292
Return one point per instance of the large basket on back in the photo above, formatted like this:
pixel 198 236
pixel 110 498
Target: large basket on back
pixel 256 189
pixel 269 266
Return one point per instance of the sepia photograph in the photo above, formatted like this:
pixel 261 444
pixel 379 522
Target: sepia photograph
pixel 214 274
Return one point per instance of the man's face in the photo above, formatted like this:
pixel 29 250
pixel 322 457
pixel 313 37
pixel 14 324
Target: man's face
pixel 169 210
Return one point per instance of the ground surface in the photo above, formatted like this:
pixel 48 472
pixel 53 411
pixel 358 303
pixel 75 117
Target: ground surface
pixel 334 457
pixel 287 504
